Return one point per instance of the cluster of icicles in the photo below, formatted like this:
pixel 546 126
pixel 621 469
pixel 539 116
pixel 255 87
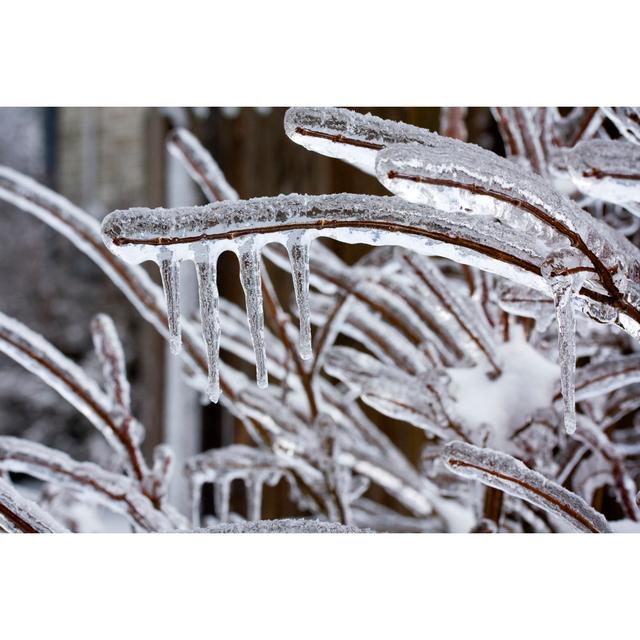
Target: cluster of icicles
pixel 429 217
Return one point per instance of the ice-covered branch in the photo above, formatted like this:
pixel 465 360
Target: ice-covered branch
pixel 19 514
pixel 347 135
pixel 116 492
pixel 627 121
pixel 504 472
pixel 422 401
pixel 607 170
pixel 34 353
pixel 599 378
pixel 245 227
pixel 597 440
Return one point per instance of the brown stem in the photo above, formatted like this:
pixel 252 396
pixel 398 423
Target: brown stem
pixel 570 511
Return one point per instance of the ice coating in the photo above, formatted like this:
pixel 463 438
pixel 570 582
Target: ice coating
pixel 169 236
pixel 286 525
pixel 361 322
pixel 458 176
pixel 298 248
pixel 253 466
pixel 469 330
pixel 38 356
pixel 348 135
pixel 627 120
pixel 504 472
pixel 109 349
pixel 84 232
pixel 599 378
pixel 422 401
pixel 21 515
pixel 527 303
pixel 607 170
pixel 116 492
pixel 592 435
pixel 200 165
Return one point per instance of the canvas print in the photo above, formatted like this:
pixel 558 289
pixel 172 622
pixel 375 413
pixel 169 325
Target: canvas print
pixel 229 320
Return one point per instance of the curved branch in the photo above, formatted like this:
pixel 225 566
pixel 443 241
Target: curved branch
pixel 504 472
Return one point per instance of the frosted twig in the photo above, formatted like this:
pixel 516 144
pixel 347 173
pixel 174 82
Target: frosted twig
pixel 508 474
pixel 19 514
pixel 597 440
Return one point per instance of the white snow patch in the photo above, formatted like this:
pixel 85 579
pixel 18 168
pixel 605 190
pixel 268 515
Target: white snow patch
pixel 528 382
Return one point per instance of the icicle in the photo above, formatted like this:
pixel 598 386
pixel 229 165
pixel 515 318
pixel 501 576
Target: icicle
pixel 563 298
pixel 251 283
pixel 196 498
pixel 221 496
pixel 170 272
pixel 208 292
pixel 253 490
pixel 561 269
pixel 298 248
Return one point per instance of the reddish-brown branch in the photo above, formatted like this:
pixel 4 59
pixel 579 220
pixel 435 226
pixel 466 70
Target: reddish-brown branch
pixel 572 513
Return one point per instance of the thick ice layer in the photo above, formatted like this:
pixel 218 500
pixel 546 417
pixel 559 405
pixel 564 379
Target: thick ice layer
pixel 627 120
pixel 287 525
pixel 422 401
pixel 114 369
pixel 457 176
pixel 596 379
pixel 606 170
pixel 471 333
pixel 21 515
pixel 504 472
pixel 348 135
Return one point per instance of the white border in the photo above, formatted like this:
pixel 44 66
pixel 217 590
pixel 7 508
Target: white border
pixel 287 52
pixel 319 586
pixel 329 52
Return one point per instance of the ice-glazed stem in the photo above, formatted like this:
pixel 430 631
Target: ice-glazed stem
pixel 563 298
pixel 252 285
pixel 209 312
pixel 20 515
pixel 298 248
pixel 170 272
pixel 504 472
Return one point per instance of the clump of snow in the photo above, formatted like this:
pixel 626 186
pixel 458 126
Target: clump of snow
pixel 528 382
